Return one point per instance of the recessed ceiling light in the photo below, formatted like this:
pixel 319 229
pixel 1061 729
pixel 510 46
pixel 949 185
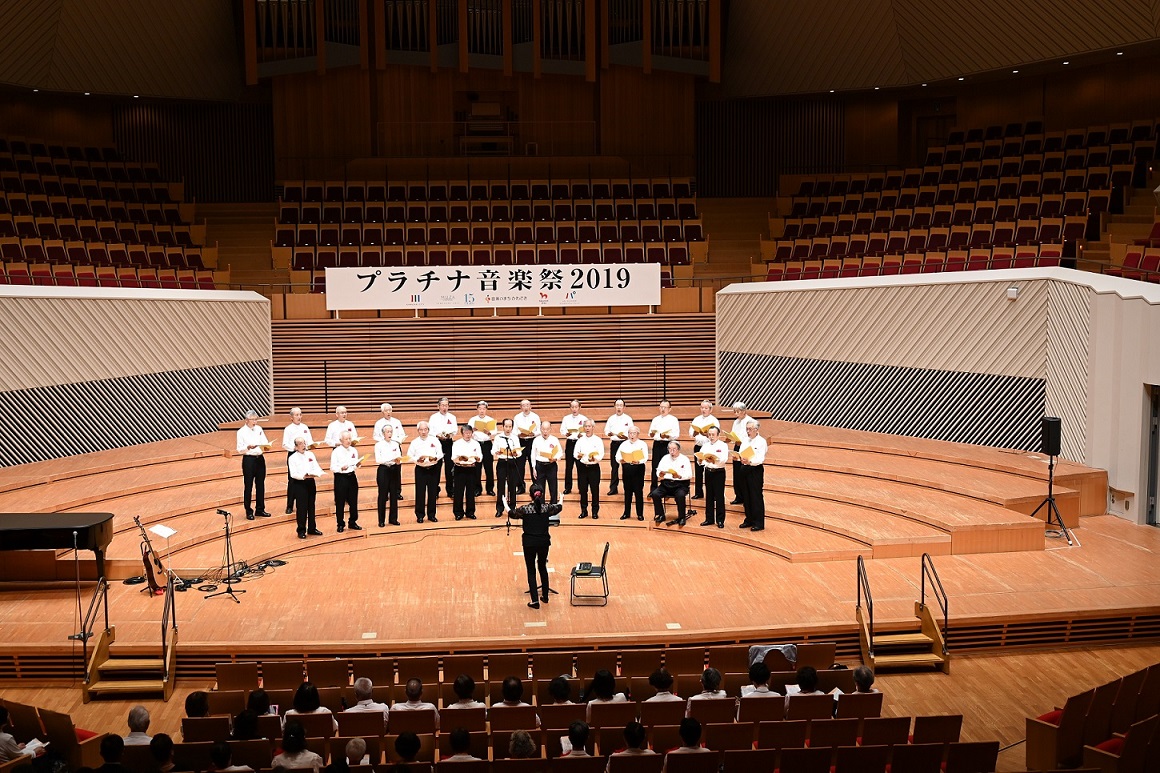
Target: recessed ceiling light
pixel 924 84
pixel 86 93
pixel 135 96
pixel 962 78
pixel 876 88
pixel 1119 53
pixel 1067 62
pixel 36 91
pixel 831 91
pixel 1013 72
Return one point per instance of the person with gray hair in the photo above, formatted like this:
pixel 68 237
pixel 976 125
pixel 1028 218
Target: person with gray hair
pixel 340 425
pixel 294 430
pixel 751 458
pixel 363 693
pixel 138 727
pixel 444 426
pixel 344 463
pixel 864 680
pixel 252 442
pixel 741 418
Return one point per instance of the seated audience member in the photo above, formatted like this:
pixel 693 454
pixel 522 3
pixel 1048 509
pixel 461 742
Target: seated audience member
pixel 864 680
pixel 635 738
pixel 294 752
pixel 560 690
pixel 512 691
pixel 807 684
pixel 112 749
pixel 161 747
pixel 222 757
pixel 690 732
pixel 9 748
pixel 415 702
pixel 460 746
pixel 521 746
pixel 759 678
pixel 711 687
pixel 245 726
pixel 308 701
pixel 464 688
pixel 662 681
pixel 603 690
pixel 138 727
pixel 363 690
pixel 258 702
pixel 577 740
pixel 356 752
pixel 197 704
pixel 407 747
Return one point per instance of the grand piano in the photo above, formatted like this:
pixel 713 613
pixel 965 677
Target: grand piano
pixel 54 531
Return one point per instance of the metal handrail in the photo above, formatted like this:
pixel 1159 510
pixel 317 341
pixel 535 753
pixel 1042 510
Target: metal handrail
pixel 864 588
pixel 168 619
pixel 938 592
pixel 99 602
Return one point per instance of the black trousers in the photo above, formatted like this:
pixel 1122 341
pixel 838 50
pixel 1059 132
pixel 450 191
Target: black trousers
pixel 738 485
pixel 588 476
pixel 390 480
pixel 546 473
pixel 752 495
pixel 345 495
pixel 614 479
pixel 634 488
pixel 536 556
pixel 715 495
pixel 448 468
pixel 527 466
pixel 305 493
pixel 466 481
pixel 507 473
pixel 659 450
pixel 488 466
pixel 254 477
pixel 569 462
pixel 289 484
pixel 698 478
pixel 665 489
pixel 426 491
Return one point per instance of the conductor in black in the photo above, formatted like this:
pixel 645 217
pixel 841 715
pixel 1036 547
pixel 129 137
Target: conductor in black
pixel 535 516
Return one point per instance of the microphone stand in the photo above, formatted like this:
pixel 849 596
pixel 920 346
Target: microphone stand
pixel 231 577
pixel 83 635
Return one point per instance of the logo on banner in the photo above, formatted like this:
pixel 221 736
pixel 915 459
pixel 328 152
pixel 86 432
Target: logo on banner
pixel 469 298
pixel 416 299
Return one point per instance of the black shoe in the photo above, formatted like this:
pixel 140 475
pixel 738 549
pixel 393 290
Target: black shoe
pixel 382 525
pixel 758 528
pixel 698 496
pixel 544 598
pixel 499 515
pixel 534 604
pixel 393 523
pixel 682 521
pixel 519 489
pixel 659 519
pixel 721 525
pixel 583 515
pixel 612 492
pixel 479 492
pixel 314 533
pixel 399 497
pixel 625 517
pixel 490 492
pixel 263 514
pixel 433 519
pixel 459 517
pixel 355 527
pixel 341 529
pixel 289 510
pixel 249 516
pixel 420 520
pixel 706 523
pixel 567 491
pixel 471 517
pixel 595 517
pixel 744 525
pixel 736 502
pixel 301 536
pixel 640 517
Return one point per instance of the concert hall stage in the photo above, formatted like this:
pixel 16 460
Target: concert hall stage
pixel 831 495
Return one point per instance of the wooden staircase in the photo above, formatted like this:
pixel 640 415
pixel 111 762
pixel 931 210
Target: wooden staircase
pixel 905 649
pixel 109 673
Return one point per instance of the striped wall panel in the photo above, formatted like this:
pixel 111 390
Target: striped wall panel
pixel 1068 361
pixel 984 409
pixel 117 412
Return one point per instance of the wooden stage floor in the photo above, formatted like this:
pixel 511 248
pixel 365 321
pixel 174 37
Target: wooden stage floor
pixel 831 495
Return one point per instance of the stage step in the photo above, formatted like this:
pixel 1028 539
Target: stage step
pixel 131 664
pixel 907 660
pixel 126 686
pixel 916 639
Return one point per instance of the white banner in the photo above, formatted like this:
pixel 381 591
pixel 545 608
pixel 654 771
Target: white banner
pixel 475 287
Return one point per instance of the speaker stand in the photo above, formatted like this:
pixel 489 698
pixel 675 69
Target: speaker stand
pixel 1052 515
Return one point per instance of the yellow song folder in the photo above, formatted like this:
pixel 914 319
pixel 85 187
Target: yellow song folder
pixel 592 456
pixel 672 473
pixel 702 429
pixel 403 459
pixel 729 437
pixel 710 458
pixel 634 456
pixel 361 459
pixel 745 453
pixel 548 456
pixel 483 425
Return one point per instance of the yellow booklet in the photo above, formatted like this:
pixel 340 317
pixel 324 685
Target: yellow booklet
pixel 465 460
pixel 746 454
pixel 318 444
pixel 702 457
pixel 530 432
pixel 672 473
pixel 702 429
pixel 403 459
pixel 503 453
pixel 355 441
pixel 634 456
pixel 265 446
pixel 592 455
pixel 729 437
pixel 620 435
pixel 548 456
pixel 483 425
pixel 361 459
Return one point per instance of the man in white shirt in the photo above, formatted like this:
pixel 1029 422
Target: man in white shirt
pixel 715 455
pixel 759 682
pixel 698 433
pixel 460 741
pixel 296 429
pixel 673 474
pixel 571 427
pixel 251 444
pixel 807 684
pixel 633 456
pixel 427 454
pixel 588 451
pixel 397 433
pixel 547 451
pixel 344 468
pixel 340 425
pixel 616 430
pixel 634 742
pixel 138 727
pixel 662 681
pixel 466 455
pixel 363 692
pixel 389 478
pixel 415 702
pixel 711 688
pixel 464 689
pixel 509 463
pixel 304 470
pixel 663 428
pixel 527 426
pixel 577 740
pixel 444 428
pixel 751 457
pixel 690 732
pixel 480 423
pixel 738 429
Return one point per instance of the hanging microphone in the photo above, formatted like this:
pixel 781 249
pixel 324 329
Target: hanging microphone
pixel 223 512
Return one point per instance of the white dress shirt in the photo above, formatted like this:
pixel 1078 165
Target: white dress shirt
pixel 628 447
pixel 137 738
pixel 739 423
pixel 387 452
pixel 758 691
pixel 466 448
pixel 703 423
pixel 589 445
pixel 251 436
pixel 679 464
pixel 478 435
pixel 502 443
pixel 344 459
pixel 443 425
pixel 545 449
pixel 572 426
pixel 369 705
pixel 397 433
pixel 304 464
pixel 665 428
pixel 10 749
pixel 418 706
pixel 718 449
pixel 664 696
pixel 759 447
pixel 617 426
pixel 466 703
pixel 335 429
pixel 429 447
pixel 526 423
pixel 320 710
pixel 293 432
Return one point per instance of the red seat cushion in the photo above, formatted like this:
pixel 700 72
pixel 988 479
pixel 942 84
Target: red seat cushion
pixel 1052 717
pixel 84 735
pixel 1112 746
